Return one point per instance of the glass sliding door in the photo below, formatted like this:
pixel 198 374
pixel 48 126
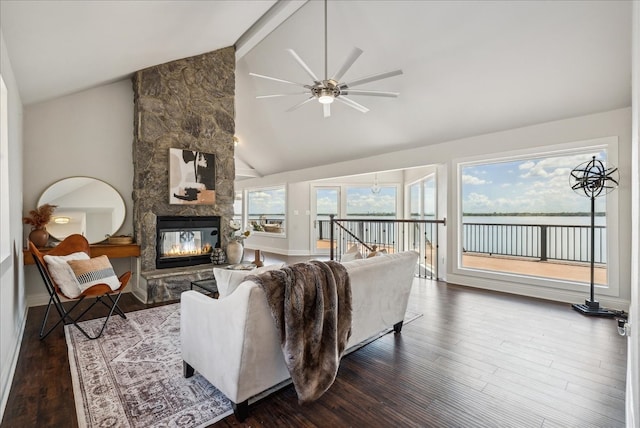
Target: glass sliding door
pixel 326 202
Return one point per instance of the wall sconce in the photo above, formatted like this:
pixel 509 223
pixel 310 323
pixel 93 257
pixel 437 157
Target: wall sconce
pixel 61 220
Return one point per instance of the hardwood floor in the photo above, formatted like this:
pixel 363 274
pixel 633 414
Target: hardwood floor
pixel 474 359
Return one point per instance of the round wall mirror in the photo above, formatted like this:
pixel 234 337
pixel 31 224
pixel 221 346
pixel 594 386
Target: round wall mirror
pixel 85 205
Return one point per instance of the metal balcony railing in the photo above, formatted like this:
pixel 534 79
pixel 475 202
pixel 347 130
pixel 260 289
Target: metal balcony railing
pixel 539 241
pixel 391 235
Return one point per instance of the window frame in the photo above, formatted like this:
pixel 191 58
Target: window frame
pixel 245 210
pixel 421 196
pixel 486 277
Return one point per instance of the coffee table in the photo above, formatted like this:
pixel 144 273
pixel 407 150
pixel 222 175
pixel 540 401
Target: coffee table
pixel 208 284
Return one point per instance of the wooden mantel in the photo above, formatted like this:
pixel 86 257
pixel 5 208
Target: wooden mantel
pixel 110 250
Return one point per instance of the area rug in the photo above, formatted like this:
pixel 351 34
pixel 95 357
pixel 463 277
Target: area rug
pixel 132 375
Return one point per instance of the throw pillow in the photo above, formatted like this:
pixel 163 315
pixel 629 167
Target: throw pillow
pixel 97 270
pixel 352 254
pixel 63 275
pixel 376 253
pixel 227 280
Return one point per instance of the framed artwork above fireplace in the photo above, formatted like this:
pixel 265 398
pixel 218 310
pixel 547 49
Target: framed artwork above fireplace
pixel 192 177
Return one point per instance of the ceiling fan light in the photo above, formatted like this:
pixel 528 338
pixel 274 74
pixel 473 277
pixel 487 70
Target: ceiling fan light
pixel 326 97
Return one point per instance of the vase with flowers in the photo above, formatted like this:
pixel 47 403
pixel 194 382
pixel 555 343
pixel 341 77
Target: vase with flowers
pixel 38 220
pixel 235 249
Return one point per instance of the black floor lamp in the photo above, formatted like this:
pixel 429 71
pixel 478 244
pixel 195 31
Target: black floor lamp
pixel 592 179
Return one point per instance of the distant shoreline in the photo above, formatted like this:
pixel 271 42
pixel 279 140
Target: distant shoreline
pixel 578 214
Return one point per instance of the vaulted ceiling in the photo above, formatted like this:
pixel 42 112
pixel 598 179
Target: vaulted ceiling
pixel 470 67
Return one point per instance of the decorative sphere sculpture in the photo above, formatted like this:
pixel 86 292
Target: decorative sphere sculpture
pixel 593 178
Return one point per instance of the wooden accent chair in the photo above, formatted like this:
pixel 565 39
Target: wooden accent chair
pixel 102 292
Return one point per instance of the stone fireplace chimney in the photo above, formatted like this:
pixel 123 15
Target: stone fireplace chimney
pixel 185 104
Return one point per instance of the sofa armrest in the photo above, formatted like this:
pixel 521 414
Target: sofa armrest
pixel 232 342
pixel 211 336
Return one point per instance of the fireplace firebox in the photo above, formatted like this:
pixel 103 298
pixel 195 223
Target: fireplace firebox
pixel 186 241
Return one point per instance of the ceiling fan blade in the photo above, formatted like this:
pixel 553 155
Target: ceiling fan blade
pixel 280 95
pixel 301 104
pixel 350 91
pixel 303 65
pixel 353 56
pixel 326 109
pixel 262 76
pixel 352 104
pixel 372 78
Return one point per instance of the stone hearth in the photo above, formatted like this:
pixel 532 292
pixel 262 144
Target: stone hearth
pixel 186 104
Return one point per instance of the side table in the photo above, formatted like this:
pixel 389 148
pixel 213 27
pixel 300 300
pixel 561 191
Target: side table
pixel 208 285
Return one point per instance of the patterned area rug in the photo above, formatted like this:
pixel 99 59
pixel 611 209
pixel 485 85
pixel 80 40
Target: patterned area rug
pixel 132 375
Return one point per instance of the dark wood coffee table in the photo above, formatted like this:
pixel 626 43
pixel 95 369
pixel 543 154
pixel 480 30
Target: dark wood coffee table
pixel 208 284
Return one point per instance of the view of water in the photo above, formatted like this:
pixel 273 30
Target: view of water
pixel 557 220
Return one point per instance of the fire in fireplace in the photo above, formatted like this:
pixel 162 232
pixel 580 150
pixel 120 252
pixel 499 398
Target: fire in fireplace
pixel 186 241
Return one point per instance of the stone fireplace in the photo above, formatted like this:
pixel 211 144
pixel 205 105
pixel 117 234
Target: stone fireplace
pixel 186 104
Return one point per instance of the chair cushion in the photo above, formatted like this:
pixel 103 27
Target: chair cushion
pixel 227 280
pixel 97 270
pixel 63 275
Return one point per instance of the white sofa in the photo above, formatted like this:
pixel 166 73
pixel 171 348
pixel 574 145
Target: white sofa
pixel 233 341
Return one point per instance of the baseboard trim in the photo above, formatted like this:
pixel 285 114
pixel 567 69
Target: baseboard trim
pixel 557 295
pixel 280 251
pixel 6 389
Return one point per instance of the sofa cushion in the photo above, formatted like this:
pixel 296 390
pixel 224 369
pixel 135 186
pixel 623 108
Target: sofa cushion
pixel 227 280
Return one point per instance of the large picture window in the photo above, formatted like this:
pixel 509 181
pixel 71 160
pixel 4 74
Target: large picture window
pixel 267 210
pixel 365 202
pixel 520 216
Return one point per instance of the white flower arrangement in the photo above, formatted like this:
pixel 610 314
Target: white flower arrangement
pixel 234 235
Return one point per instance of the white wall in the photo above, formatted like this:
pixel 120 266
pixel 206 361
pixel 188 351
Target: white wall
pixel 633 357
pixel 89 133
pixel 13 308
pixel 613 123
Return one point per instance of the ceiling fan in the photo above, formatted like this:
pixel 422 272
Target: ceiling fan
pixel 328 90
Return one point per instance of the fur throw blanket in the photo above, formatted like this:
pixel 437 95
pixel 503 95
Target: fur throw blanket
pixel 311 305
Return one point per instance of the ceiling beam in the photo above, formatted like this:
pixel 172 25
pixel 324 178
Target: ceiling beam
pixel 276 15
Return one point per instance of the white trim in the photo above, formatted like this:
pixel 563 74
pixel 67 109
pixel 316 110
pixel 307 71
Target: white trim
pixel 282 252
pixel 5 223
pixel 632 405
pixel 245 211
pixel 535 291
pixel 462 274
pixel 6 390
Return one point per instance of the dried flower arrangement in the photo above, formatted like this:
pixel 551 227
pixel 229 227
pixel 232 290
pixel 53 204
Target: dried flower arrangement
pixel 39 217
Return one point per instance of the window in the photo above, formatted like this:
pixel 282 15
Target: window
pixel 520 216
pixel 327 202
pixel 363 202
pixel 422 199
pixel 237 208
pixel 266 210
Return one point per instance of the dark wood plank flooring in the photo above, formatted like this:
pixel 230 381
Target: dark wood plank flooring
pixel 474 359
